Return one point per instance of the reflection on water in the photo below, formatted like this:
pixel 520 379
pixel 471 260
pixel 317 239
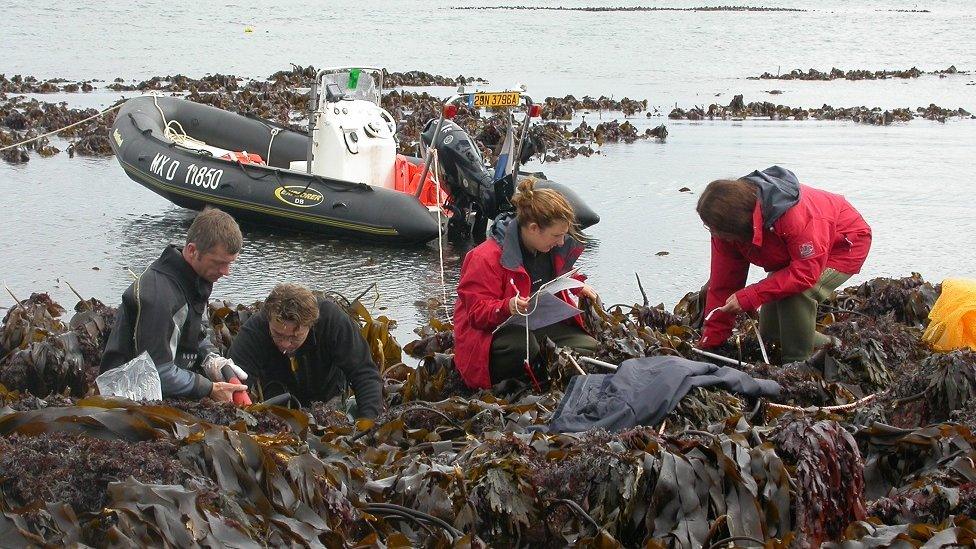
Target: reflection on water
pixel 404 277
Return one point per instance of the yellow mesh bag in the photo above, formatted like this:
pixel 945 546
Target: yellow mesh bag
pixel 953 318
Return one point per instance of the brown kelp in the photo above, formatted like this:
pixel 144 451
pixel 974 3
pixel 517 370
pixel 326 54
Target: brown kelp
pixel 871 442
pixel 856 74
pixel 283 98
pixel 739 109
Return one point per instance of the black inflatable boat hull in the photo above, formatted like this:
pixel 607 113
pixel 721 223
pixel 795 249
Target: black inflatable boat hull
pixel 271 194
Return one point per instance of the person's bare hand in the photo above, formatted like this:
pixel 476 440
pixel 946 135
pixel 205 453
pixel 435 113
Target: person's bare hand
pixel 588 292
pixel 224 392
pixel 518 305
pixel 731 306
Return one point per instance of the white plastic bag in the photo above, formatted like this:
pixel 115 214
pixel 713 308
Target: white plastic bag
pixel 135 380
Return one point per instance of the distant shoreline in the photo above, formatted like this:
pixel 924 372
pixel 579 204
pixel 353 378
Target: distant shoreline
pixel 629 8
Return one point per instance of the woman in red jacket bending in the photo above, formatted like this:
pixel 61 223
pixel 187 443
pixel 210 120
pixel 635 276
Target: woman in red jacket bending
pixel 525 251
pixel 809 241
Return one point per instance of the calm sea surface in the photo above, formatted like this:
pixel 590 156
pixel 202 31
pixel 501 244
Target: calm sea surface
pixel 83 221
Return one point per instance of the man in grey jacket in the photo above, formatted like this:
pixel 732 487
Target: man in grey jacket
pixel 162 312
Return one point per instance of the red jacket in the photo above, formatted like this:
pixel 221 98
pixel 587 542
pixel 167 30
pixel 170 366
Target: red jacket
pixel 490 274
pixel 820 230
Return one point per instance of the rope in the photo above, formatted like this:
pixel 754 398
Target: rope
pixel 274 132
pixel 840 408
pixel 68 127
pixel 527 363
pixel 174 131
pixel 440 235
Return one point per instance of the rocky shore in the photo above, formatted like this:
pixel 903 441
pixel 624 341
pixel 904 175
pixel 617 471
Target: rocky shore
pixel 870 441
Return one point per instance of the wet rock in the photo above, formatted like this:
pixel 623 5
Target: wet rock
pixel 17 155
pixel 16 121
pixel 44 148
pixel 660 132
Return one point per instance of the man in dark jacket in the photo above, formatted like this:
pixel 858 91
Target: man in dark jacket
pixel 162 311
pixel 309 348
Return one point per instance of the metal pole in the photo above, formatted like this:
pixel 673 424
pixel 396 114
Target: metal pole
pixel 313 105
pixel 600 363
pixel 716 357
pixel 427 157
pixel 762 345
pixel 517 151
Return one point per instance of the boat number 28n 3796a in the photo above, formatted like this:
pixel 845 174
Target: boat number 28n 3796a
pixel 198 176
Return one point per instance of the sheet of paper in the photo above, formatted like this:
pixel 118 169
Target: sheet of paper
pixel 545 309
pixel 559 284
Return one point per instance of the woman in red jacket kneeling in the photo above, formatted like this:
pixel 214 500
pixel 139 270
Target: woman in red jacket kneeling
pixel 524 251
pixel 810 241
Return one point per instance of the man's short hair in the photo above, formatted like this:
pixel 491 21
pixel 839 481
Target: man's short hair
pixel 292 303
pixel 213 227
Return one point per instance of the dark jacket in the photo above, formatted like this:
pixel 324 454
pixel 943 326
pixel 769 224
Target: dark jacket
pixel 162 313
pixel 490 274
pixel 333 354
pixel 643 391
pixel 798 232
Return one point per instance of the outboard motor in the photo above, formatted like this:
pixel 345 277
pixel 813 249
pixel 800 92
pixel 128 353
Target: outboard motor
pixel 471 184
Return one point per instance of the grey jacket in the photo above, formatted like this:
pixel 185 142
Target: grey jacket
pixel 162 313
pixel 643 391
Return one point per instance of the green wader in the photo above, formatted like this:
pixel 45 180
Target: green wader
pixel 793 320
pixel 508 347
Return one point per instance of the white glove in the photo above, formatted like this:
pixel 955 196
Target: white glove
pixel 214 363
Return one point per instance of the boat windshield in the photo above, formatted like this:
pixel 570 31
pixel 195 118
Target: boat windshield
pixel 356 83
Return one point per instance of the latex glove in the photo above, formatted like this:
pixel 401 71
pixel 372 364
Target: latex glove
pixel 214 364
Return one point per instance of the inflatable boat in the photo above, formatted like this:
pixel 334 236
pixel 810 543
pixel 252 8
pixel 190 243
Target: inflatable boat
pixel 346 181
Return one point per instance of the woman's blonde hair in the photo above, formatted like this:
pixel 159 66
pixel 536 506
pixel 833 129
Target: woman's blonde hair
pixel 542 206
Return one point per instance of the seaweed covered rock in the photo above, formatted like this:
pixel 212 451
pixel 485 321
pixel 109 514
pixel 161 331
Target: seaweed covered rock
pixel 921 475
pixel 910 298
pixel 76 469
pixel 42 355
pixel 871 439
pixel 828 467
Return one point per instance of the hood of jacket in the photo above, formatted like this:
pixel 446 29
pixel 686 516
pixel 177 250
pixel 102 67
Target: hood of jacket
pixel 505 231
pixel 779 190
